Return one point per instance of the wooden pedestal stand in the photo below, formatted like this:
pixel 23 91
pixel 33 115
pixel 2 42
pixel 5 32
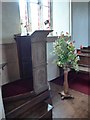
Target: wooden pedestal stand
pixel 65 94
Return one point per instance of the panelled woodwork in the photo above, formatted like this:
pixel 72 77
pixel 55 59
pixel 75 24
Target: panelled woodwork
pixel 32 58
pixel 84 55
pixel 36 102
pixel 22 107
pixel 38 53
pixel 24 55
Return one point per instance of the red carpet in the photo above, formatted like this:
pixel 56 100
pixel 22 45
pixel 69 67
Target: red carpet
pixel 79 82
pixel 80 85
pixel 17 87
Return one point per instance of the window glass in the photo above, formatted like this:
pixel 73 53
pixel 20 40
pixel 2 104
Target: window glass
pixel 45 2
pixel 23 15
pixel 34 16
pixel 33 1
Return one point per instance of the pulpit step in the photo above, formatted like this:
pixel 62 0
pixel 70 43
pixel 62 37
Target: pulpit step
pixel 14 109
pixel 39 111
pixel 12 104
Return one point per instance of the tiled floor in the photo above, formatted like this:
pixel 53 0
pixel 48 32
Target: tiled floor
pixel 73 108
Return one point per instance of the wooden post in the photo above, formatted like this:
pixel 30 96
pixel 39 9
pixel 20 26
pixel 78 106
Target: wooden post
pixel 65 94
pixel 65 84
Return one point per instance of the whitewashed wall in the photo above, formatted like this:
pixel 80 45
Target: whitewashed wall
pixel 60 16
pixel 10 21
pixel 2 114
pixel 9 25
pixel 52 69
pixel 80 23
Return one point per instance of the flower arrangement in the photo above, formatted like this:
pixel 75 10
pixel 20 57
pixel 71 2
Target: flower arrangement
pixel 65 51
pixel 67 57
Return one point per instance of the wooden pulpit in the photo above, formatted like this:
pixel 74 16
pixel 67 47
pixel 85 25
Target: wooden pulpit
pixel 33 60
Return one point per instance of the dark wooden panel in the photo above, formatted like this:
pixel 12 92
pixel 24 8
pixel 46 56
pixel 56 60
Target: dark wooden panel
pixel 24 54
pixel 39 111
pixel 33 70
pixel 38 53
pixel 24 107
pixel 32 55
pixel 89 24
pixel 40 79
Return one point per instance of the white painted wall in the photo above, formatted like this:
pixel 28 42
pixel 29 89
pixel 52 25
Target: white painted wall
pixel 80 23
pixel 60 16
pixel 10 21
pixel 9 25
pixel 0 22
pixel 52 69
pixel 2 115
pixel 60 23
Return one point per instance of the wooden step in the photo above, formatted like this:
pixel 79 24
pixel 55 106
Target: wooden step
pixel 16 87
pixel 85 51
pixel 83 75
pixel 13 109
pixel 11 104
pixel 84 59
pixel 19 97
pixel 39 111
pixel 87 47
pixel 84 55
pixel 84 66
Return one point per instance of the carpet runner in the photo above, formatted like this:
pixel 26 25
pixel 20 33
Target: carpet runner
pixel 17 87
pixel 77 81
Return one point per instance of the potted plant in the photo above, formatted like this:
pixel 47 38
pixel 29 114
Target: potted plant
pixel 67 58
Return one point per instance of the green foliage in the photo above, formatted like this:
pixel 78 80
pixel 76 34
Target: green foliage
pixel 64 49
